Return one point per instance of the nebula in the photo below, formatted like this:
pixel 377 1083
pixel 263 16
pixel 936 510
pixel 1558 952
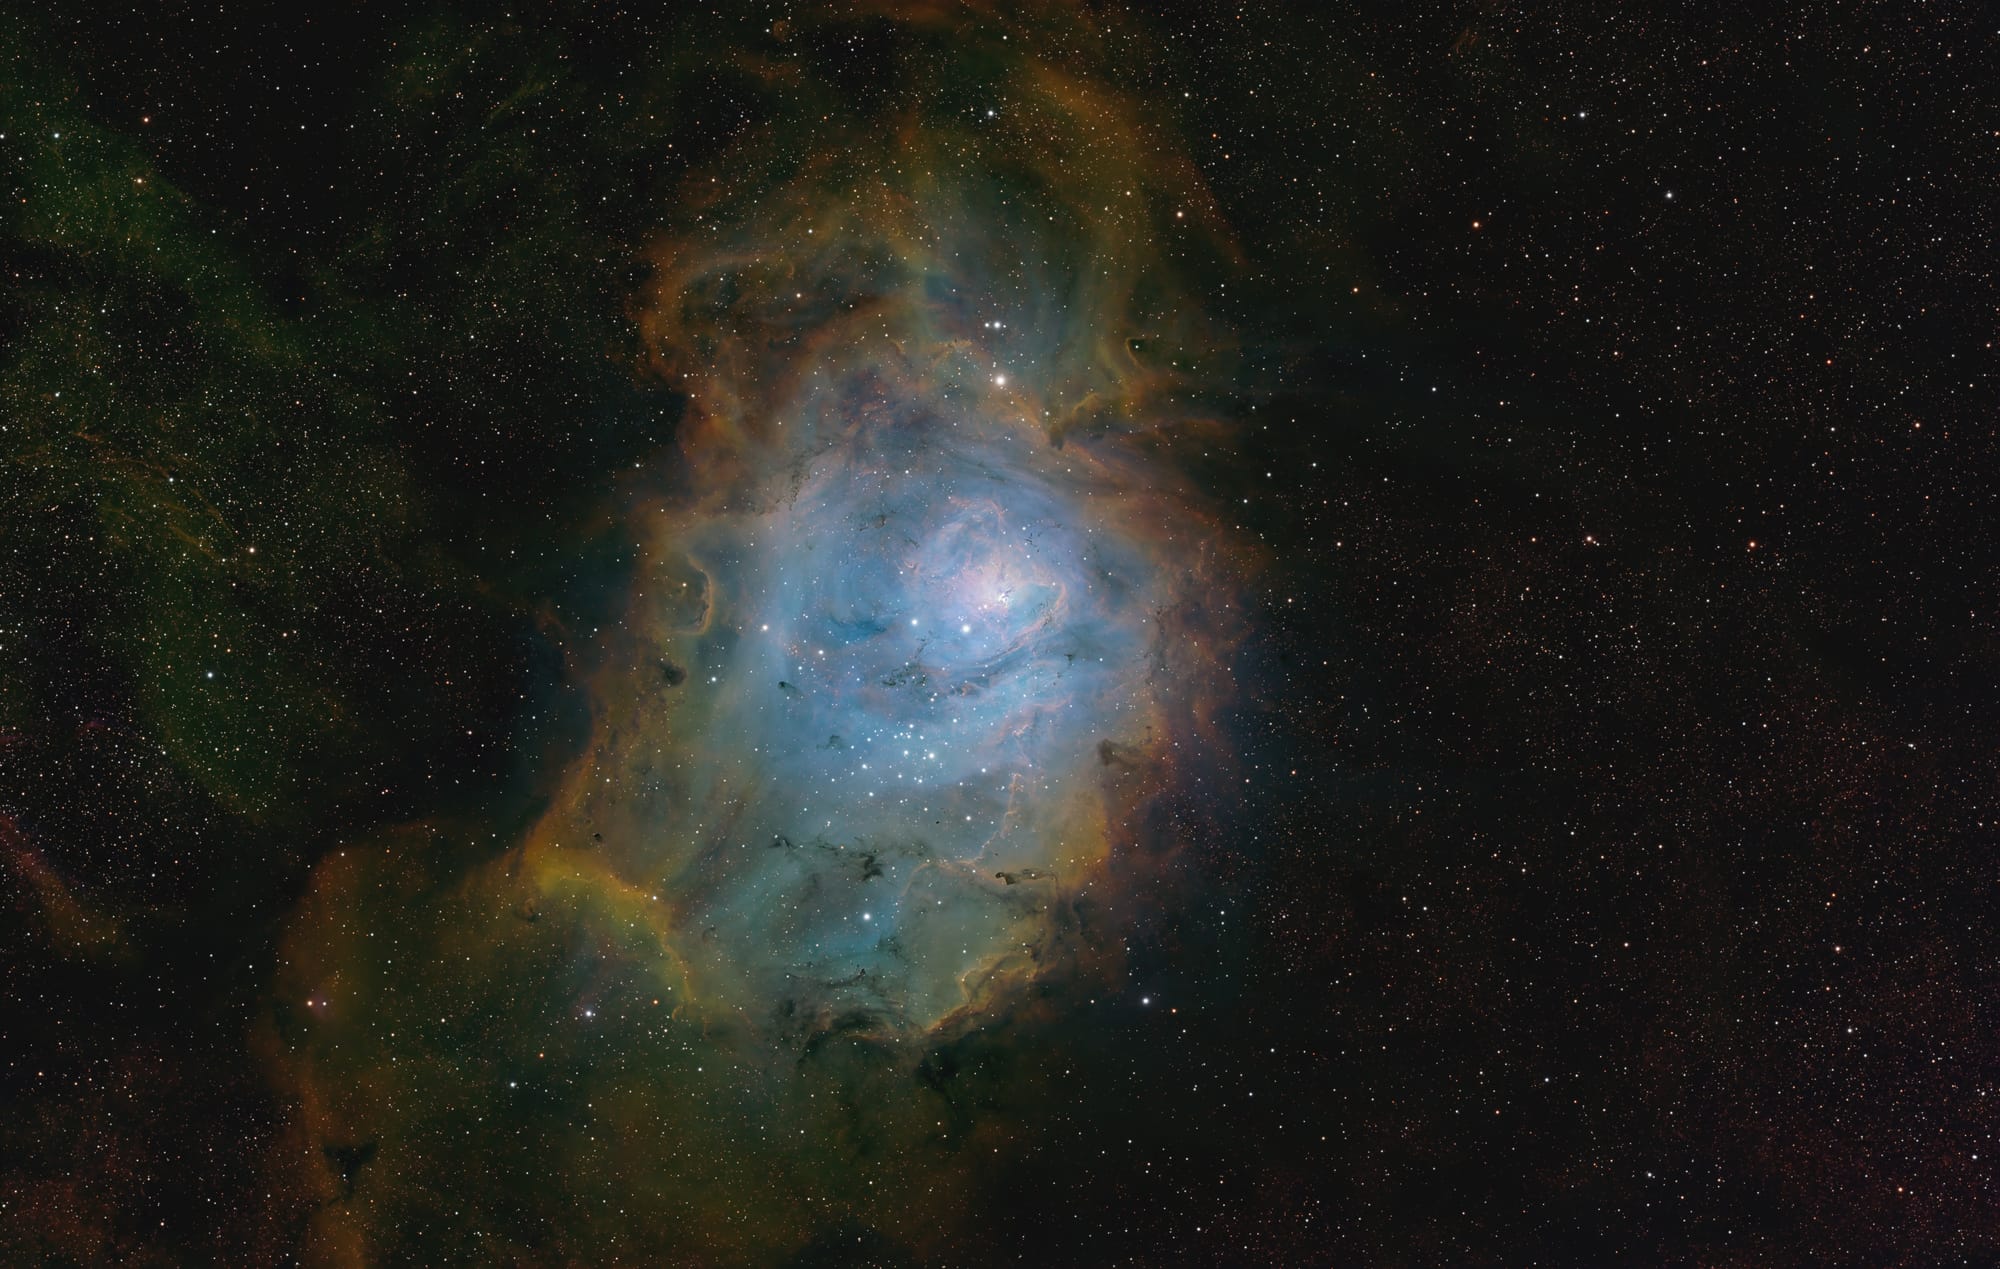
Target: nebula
pixel 863 745
pixel 929 616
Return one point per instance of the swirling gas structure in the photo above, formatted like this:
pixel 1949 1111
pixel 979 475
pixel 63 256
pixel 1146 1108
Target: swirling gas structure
pixel 923 634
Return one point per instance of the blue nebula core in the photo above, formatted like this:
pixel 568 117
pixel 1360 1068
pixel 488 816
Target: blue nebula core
pixel 870 774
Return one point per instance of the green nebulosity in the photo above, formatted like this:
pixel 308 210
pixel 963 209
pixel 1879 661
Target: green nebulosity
pixel 276 472
pixel 289 541
pixel 288 527
pixel 173 437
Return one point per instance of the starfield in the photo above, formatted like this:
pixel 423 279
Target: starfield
pixel 965 633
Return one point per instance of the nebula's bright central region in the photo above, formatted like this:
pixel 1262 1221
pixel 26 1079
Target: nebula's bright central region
pixel 904 656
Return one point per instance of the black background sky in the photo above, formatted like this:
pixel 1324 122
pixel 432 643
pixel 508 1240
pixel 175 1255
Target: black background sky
pixel 1614 880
